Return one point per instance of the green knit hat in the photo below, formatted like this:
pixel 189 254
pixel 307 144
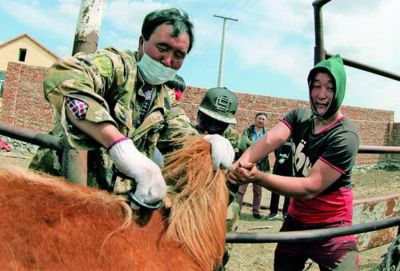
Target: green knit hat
pixel 335 67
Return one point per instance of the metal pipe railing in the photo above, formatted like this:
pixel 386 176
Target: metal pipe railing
pixel 36 138
pixel 320 3
pixel 319 51
pixel 56 143
pixel 310 235
pixel 367 68
pixel 321 54
pixel 378 149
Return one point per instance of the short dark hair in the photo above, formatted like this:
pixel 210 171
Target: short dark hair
pixel 177 18
pixel 177 82
pixel 261 114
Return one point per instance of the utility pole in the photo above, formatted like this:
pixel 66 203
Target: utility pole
pixel 221 57
pixel 74 162
pixel 88 26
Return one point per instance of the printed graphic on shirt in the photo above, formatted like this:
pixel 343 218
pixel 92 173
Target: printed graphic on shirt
pixel 301 160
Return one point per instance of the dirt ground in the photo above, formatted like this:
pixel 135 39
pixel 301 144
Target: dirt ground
pixel 368 182
pixel 14 159
pixel 257 257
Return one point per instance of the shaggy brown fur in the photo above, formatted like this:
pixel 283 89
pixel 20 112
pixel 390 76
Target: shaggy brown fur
pixel 48 224
pixel 198 213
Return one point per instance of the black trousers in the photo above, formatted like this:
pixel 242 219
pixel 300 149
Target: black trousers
pixel 274 203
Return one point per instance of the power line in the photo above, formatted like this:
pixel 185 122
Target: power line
pixel 227 8
pixel 248 6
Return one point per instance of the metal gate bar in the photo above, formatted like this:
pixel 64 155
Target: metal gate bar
pixel 310 235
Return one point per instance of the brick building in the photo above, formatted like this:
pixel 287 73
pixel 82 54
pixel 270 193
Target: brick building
pixel 24 49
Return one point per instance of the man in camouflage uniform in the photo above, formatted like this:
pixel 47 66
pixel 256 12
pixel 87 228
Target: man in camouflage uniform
pixel 115 104
pixel 216 113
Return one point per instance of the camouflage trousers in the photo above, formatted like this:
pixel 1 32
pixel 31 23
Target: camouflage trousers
pixel 232 214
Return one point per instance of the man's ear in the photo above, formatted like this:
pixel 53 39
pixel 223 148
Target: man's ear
pixel 140 48
pixel 141 41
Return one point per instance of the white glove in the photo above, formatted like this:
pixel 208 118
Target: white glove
pixel 150 184
pixel 222 152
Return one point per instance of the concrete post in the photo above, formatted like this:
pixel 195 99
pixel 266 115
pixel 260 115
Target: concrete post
pixel 74 162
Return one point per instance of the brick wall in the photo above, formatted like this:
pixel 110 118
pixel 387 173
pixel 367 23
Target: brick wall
pixel 396 141
pixel 23 101
pixel 24 106
pixel 375 126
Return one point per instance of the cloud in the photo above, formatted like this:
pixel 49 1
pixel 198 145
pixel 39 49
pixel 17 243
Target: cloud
pixel 57 19
pixel 367 38
pixel 283 44
pixel 273 41
pixel 207 34
pixel 128 15
pixel 123 21
pixel 372 91
pixel 114 38
pixel 280 44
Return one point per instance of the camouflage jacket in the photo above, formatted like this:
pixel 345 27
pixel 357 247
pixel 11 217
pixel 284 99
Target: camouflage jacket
pixel 233 136
pixel 245 141
pixel 110 84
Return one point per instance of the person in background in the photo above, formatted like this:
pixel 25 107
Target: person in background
pixel 4 145
pixel 283 166
pixel 115 104
pixel 326 143
pixel 178 85
pixel 216 115
pixel 249 136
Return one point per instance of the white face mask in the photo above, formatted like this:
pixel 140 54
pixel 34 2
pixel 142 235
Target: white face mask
pixel 154 72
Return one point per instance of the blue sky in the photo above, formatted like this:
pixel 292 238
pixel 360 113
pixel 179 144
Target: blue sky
pixel 268 51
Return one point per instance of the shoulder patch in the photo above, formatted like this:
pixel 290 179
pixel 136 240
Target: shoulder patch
pixel 103 64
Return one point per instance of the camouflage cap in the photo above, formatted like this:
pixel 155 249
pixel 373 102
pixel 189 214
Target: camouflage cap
pixel 220 104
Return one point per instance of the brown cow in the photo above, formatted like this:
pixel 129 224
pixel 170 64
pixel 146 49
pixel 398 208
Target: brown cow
pixel 49 224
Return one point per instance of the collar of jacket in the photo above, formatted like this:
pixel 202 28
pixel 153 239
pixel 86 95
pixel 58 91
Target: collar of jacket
pixel 252 129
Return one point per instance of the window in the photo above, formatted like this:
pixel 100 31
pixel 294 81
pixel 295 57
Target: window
pixel 22 54
pixel 1 87
pixel 2 82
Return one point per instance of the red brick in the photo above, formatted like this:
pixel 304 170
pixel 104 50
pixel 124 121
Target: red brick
pixel 24 105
